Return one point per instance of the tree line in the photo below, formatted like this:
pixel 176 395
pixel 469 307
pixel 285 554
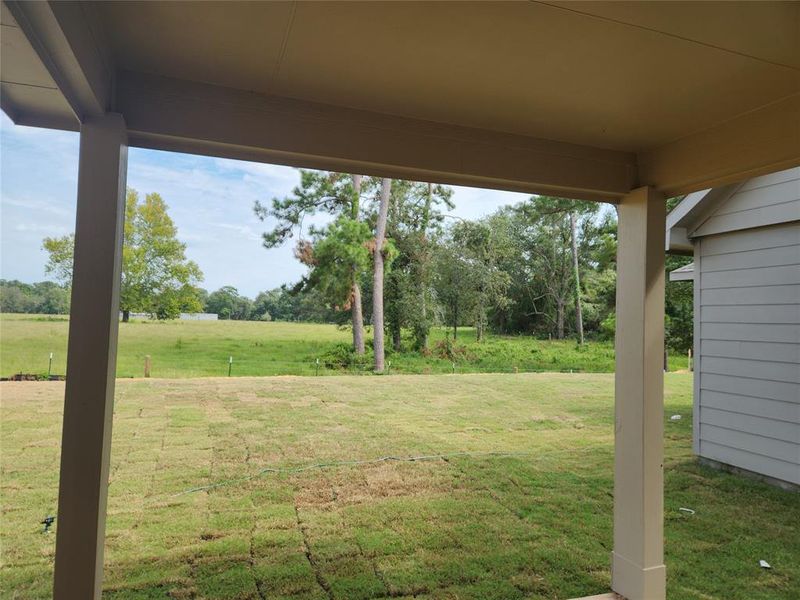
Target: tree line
pixel 391 256
pixel 279 304
pixel 43 297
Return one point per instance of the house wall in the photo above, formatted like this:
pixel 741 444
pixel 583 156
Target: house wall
pixel 761 201
pixel 747 339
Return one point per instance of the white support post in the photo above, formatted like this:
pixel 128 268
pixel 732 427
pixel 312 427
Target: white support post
pixel 91 359
pixel 638 571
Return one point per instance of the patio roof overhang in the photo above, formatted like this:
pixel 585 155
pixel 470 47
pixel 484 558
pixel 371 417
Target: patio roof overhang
pixel 618 101
pixel 582 99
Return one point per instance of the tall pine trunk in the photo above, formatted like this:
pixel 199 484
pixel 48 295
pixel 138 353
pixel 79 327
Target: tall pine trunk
pixel 577 277
pixel 357 314
pixel 424 330
pixel 377 276
pixel 358 320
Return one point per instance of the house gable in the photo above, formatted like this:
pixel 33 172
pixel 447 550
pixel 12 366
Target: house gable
pixel 760 202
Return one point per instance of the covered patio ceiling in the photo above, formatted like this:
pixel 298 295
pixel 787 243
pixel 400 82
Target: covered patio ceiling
pixel 582 99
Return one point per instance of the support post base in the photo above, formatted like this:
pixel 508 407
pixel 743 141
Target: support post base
pixel 635 582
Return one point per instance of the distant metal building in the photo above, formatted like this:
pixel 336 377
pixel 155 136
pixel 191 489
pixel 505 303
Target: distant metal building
pixel 199 317
pixel 183 316
pixel 745 239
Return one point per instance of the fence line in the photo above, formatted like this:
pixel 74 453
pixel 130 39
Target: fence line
pixel 233 367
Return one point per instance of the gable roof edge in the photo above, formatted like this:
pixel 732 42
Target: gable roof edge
pixel 690 213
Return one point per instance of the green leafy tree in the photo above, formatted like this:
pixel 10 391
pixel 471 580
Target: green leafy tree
pixel 550 231
pixel 277 303
pixel 416 213
pixel 262 305
pixel 44 297
pixel 16 297
pixel 229 304
pixel 201 295
pixel 339 196
pixel 484 246
pixel 470 280
pixel 456 298
pixel 297 303
pixel 597 259
pixel 678 301
pixel 173 301
pixel 157 278
pixel 59 262
pixel 332 255
pixel 50 298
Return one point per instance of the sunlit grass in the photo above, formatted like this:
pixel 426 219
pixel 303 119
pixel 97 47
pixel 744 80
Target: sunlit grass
pixel 203 349
pixel 526 514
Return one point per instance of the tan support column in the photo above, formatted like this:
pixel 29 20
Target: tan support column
pixel 638 571
pixel 91 359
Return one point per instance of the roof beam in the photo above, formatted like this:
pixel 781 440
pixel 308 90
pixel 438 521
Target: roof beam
pixel 759 142
pixel 63 37
pixel 183 116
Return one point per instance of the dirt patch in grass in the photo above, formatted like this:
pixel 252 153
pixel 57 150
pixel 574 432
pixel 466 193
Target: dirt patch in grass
pixel 354 485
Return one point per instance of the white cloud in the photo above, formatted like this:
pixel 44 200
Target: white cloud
pixel 40 228
pixel 243 230
pixel 39 206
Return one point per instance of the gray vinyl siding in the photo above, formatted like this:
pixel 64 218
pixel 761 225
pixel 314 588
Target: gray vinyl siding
pixel 759 202
pixel 747 338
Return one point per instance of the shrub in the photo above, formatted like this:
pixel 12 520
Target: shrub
pixel 449 350
pixel 342 356
pixel 607 327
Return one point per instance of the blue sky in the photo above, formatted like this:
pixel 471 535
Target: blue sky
pixel 210 200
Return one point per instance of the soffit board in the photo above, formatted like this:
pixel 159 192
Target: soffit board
pixel 526 68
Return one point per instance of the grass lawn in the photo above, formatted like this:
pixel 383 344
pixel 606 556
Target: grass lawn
pixel 526 515
pixel 202 348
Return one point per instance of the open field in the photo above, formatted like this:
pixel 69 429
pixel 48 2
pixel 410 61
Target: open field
pixel 202 348
pixel 527 514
